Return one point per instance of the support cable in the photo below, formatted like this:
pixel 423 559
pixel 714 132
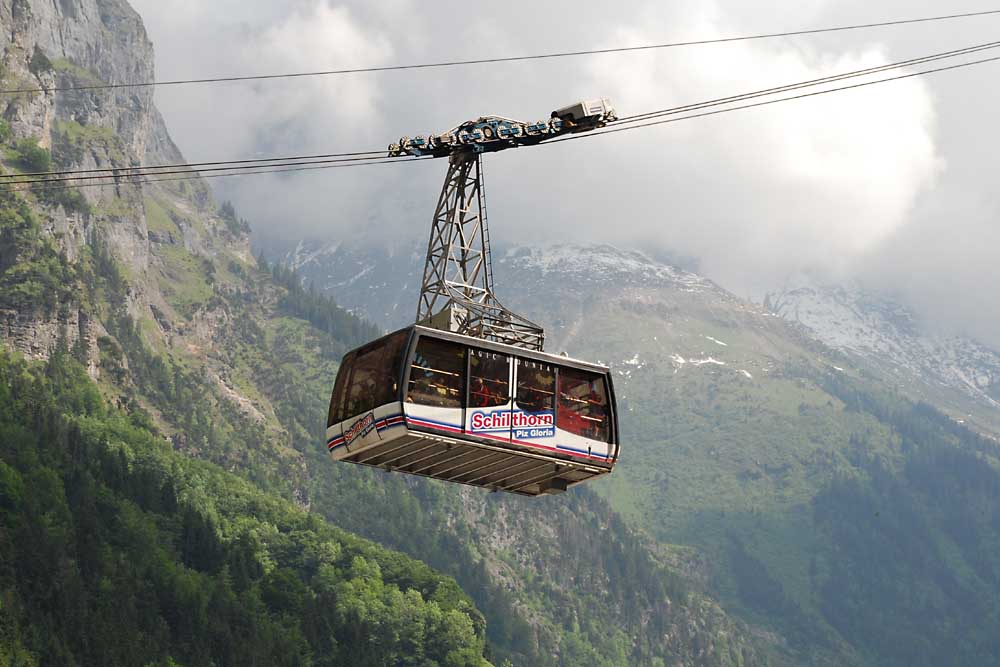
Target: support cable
pixel 139 170
pixel 613 129
pixel 37 186
pixel 253 162
pixel 127 172
pixel 639 121
pixel 813 82
pixel 483 61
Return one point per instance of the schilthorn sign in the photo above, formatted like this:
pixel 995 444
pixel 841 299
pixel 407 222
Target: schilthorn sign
pixel 360 428
pixel 520 424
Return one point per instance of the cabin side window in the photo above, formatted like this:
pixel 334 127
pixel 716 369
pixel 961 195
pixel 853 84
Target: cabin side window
pixel 437 374
pixel 489 379
pixel 536 386
pixel 336 414
pixel 583 404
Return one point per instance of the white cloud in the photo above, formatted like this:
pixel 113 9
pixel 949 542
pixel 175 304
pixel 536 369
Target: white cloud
pixel 757 193
pixel 821 184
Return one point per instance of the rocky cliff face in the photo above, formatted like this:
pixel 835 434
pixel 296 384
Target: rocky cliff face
pixel 66 43
pixel 75 43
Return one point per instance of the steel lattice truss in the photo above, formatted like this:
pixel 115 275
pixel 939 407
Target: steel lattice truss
pixel 457 289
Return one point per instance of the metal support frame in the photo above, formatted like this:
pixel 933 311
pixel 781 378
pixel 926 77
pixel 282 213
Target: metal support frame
pixel 457 289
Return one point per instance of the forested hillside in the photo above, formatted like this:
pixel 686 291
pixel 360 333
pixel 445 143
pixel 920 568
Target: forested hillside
pixel 196 350
pixel 118 550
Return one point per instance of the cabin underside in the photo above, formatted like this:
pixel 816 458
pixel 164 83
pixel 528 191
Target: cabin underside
pixel 476 464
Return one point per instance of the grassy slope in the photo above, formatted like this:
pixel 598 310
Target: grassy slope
pixel 730 448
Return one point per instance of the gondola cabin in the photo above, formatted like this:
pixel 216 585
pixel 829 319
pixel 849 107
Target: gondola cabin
pixel 461 409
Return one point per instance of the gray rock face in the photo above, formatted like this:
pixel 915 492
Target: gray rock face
pixel 48 44
pixel 100 40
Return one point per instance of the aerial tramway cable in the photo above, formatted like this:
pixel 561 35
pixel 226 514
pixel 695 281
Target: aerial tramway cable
pixel 128 175
pixel 812 82
pixel 360 156
pixel 144 180
pixel 484 61
pixel 613 129
pixel 255 162
pixel 129 172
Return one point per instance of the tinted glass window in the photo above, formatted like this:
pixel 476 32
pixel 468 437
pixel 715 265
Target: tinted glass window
pixel 536 386
pixel 336 414
pixel 436 375
pixel 364 380
pixel 583 404
pixel 390 366
pixel 489 379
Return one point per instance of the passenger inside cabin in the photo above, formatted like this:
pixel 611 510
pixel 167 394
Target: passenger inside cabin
pixel 582 405
pixel 535 389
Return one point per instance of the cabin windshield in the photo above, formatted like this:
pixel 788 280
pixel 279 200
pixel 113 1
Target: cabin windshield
pixel 583 404
pixel 336 413
pixel 436 377
pixel 368 378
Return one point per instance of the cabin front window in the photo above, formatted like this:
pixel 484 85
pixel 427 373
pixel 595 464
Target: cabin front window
pixel 336 414
pixel 364 382
pixel 437 373
pixel 390 367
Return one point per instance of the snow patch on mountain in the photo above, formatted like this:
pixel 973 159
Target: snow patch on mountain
pixel 889 335
pixel 708 360
pixel 600 263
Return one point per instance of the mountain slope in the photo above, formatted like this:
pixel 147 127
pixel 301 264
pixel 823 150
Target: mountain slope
pixel 950 370
pixel 769 452
pixel 153 289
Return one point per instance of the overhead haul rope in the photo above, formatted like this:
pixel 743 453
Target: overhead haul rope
pixel 612 129
pixel 484 61
pixel 120 172
pixel 125 174
pixel 37 186
pixel 813 82
pixel 129 172
pixel 371 154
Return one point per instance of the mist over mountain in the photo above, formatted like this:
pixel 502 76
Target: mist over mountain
pixel 887 183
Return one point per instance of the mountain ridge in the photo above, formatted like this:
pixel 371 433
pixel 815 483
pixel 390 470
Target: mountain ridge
pixel 890 336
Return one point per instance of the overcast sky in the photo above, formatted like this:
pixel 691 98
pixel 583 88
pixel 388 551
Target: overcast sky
pixel 893 185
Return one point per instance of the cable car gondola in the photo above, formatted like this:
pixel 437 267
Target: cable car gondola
pixel 461 409
pixel 467 394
